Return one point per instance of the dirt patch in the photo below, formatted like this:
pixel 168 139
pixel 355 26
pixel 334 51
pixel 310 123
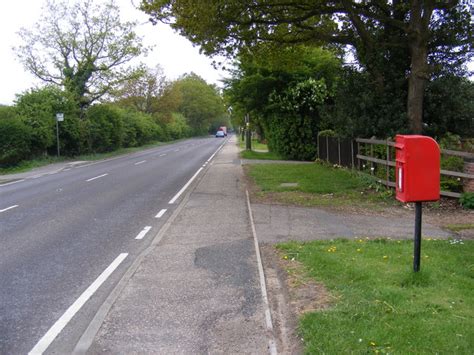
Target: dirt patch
pixel 291 293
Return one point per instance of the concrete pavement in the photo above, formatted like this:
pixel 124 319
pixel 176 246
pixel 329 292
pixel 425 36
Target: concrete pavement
pixel 198 289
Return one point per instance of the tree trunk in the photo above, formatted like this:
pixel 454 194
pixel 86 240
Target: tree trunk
pixel 418 33
pixel 416 88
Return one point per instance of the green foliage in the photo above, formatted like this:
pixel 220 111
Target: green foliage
pixel 200 103
pixel 467 200
pixel 449 106
pixel 292 136
pixel 284 89
pixel 105 128
pixel 15 140
pixel 81 46
pixel 177 127
pixel 37 108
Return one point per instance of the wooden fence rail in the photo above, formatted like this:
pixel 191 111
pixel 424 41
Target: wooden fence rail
pixel 348 153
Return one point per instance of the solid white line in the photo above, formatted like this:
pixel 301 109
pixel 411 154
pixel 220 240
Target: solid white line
pixel 263 288
pixel 8 208
pixel 140 162
pixel 11 183
pixel 53 332
pixel 97 177
pixel 212 156
pixel 161 213
pixel 173 200
pixel 143 232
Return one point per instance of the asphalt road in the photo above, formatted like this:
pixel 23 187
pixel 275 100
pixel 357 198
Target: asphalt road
pixel 66 239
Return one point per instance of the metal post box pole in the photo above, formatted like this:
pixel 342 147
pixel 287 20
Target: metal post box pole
pixel 417 246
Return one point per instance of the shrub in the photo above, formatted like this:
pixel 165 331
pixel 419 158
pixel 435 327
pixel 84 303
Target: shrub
pixel 292 137
pixel 15 140
pixel 467 200
pixel 177 127
pixel 104 124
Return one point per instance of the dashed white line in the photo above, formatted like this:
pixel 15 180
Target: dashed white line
pixel 8 208
pixel 97 177
pixel 161 213
pixel 140 162
pixel 54 331
pixel 162 155
pixel 143 232
pixel 13 182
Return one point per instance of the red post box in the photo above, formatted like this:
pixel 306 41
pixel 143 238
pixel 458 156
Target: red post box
pixel 417 168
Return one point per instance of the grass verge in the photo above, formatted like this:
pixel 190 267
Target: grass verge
pixel 317 185
pixel 37 163
pixel 250 154
pixel 379 305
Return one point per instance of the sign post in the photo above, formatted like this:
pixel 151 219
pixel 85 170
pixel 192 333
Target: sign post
pixel 248 135
pixel 59 118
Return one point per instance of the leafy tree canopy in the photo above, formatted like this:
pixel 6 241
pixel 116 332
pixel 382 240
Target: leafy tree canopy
pixel 390 38
pixel 81 47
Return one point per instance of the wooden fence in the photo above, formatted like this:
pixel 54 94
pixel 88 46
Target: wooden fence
pixel 359 154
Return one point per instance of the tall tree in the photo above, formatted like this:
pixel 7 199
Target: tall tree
pixel 81 47
pixel 408 36
pixel 142 92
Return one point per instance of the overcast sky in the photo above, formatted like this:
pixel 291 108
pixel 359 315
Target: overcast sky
pixel 174 53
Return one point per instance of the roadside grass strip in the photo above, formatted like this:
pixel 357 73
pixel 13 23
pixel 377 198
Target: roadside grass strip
pixel 379 305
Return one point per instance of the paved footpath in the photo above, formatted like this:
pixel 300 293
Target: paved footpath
pixel 197 291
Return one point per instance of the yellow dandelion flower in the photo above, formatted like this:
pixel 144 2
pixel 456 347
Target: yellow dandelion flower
pixel 359 250
pixel 372 343
pixel 385 257
pixel 285 257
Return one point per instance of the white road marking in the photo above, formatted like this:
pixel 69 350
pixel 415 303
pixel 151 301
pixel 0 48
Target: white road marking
pixel 97 177
pixel 54 331
pixel 162 155
pixel 140 162
pixel 8 208
pixel 13 182
pixel 143 232
pixel 161 213
pixel 173 200
pixel 263 288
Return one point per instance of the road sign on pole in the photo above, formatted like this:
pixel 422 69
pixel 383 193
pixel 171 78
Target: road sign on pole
pixel 59 118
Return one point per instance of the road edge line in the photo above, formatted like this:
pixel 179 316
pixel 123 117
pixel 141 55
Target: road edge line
pixel 263 288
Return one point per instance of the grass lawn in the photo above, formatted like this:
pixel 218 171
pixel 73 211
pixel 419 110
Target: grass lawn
pixel 318 185
pixel 379 305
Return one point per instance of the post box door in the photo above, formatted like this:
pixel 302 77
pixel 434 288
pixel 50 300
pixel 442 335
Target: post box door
pixel 417 168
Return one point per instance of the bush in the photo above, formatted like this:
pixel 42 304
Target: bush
pixel 177 127
pixel 467 200
pixel 293 138
pixel 15 140
pixel 104 124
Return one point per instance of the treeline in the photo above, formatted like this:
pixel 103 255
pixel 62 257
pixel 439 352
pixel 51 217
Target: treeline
pixel 294 93
pixel 145 109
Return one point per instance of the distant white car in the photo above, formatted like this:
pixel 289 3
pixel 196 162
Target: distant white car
pixel 220 134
